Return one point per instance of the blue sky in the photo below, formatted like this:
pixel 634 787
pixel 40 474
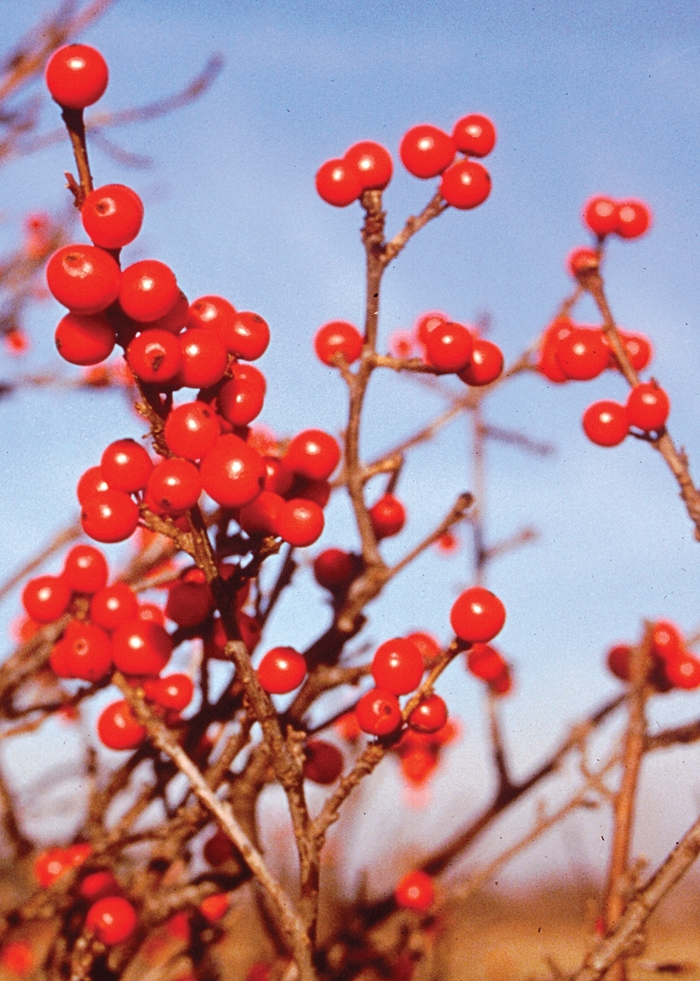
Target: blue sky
pixel 601 98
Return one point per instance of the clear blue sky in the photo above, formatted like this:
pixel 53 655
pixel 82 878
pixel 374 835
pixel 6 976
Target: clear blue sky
pixel 597 98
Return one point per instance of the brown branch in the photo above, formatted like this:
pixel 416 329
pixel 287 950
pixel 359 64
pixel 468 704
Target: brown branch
pixel 62 538
pixel 413 224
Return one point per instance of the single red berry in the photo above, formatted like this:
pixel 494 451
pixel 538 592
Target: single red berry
pixel 87 651
pixel 552 337
pixel 485 662
pixel 150 613
pixel 58 660
pixel 388 516
pixel 300 522
pixel 334 569
pixel 633 219
pixel 50 865
pixel 485 364
pixel 141 648
pixel 426 644
pixel 449 347
pixel 581 261
pixel 174 485
pixel 648 407
pixel 600 214
pixel 112 919
pixel 618 661
pixel 683 671
pixel 477 615
pixel 189 603
pixel 503 684
pixel 313 453
pixel 97 885
pixel 241 399
pixel 84 340
pixel 339 183
pixel 378 712
pixel 415 891
pixel 117 727
pixel 402 344
pixel 638 348
pixel 112 215
pixel 191 430
pixel 155 356
pixel 85 569
pixel 605 423
pixel 218 849
pixel 76 76
pixel 397 666
pixel 417 765
pixel 216 314
pixel 148 290
pixel 91 484
pixel 175 319
pixel 17 958
pixel 46 598
pixel 172 692
pixel 338 337
pixel 474 135
pixel 126 465
pixel 113 605
pixel 427 323
pixel 111 516
pixel 466 184
pixel 260 517
pixel 279 478
pixel 426 151
pixel 232 473
pixel 429 715
pixel 583 354
pixel 324 762
pixel 214 907
pixel 281 670
pixel 246 335
pixel 83 278
pixel 204 359
pixel 666 640
pixel 373 163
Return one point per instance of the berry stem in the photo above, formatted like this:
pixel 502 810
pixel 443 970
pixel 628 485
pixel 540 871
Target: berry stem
pixel 75 124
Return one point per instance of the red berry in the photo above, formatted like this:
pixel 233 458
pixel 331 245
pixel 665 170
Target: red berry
pixel 618 661
pixel 204 359
pixel 17 958
pixel 150 613
pixel 666 640
pixel 323 763
pixel 243 333
pixel 466 184
pixel 397 666
pixel 214 907
pixel 427 323
pixel 378 712
pixel 485 364
pixel 218 849
pixel 117 727
pixel 634 219
pixel 503 684
pixel 426 151
pixel 112 215
pixel 76 76
pixel 415 891
pixel 148 290
pixel 339 183
pixel 334 569
pixel 58 660
pixel 50 865
pixel 638 348
pixel 474 135
pixel 112 919
pixel 388 516
pixel 90 484
pixel 485 662
pixel 313 453
pixel 175 319
pixel 279 478
pixel 300 522
pixel 218 315
pixel 605 423
pixel 87 651
pixel 46 598
pixel 449 347
pixel 113 605
pixel 140 647
pixel 582 260
pixel 338 337
pixel 648 407
pixel 174 485
pixel 260 517
pixel 85 569
pixel 548 362
pixel 84 340
pixel 583 353
pixel 281 670
pixel 232 473
pixel 241 399
pixel 429 715
pixel 373 163
pixel 683 671
pixel 477 615
pixel 155 356
pixel 191 430
pixel 600 214
pixel 173 692
pixel 97 885
pixel 417 765
pixel 83 278
pixel 126 465
pixel 111 516
pixel 426 644
pixel 189 603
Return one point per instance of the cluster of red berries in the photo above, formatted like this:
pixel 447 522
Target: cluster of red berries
pixel 605 216
pixel 672 664
pixel 576 352
pixel 450 347
pixel 426 151
pixel 487 663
